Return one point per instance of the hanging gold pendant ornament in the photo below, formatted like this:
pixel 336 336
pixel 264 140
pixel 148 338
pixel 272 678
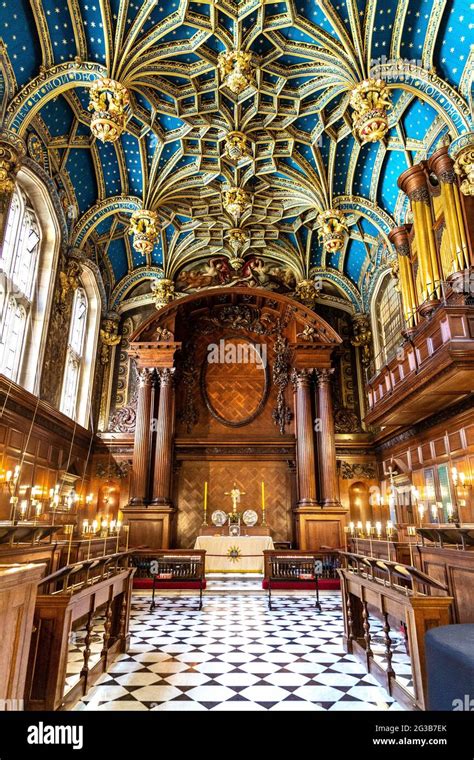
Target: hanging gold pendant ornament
pixel 236 146
pixel 144 228
pixel 333 229
pixel 371 101
pixel 236 70
pixel 307 291
pixel 461 151
pixel 108 101
pixel 237 239
pixel 12 152
pixel 235 201
pixel 163 292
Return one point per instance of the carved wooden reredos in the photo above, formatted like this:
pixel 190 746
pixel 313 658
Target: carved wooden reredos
pixel 235 419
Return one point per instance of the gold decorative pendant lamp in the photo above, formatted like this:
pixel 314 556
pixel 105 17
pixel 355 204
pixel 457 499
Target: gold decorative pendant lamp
pixel 144 228
pixel 333 229
pixel 236 70
pixel 371 100
pixel 108 102
pixel 235 201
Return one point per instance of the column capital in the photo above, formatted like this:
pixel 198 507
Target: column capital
pixel 166 376
pixel 145 376
pixel 12 152
pixel 301 378
pixel 323 376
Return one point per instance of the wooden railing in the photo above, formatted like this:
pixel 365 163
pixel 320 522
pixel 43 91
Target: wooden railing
pixel 71 598
pixel 329 561
pixel 379 597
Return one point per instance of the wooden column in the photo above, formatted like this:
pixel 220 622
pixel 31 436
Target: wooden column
pixel 306 462
pixel 164 438
pixel 142 442
pixel 327 443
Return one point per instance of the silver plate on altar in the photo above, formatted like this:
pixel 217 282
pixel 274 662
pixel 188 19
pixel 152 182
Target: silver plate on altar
pixel 250 517
pixel 219 518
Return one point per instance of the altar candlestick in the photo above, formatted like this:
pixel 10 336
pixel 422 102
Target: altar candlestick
pixel 263 503
pixel 205 503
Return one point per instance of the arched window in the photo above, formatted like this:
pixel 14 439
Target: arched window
pixel 75 354
pixel 18 271
pixel 388 320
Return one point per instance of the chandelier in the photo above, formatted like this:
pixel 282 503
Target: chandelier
pixel 144 228
pixel 333 229
pixel 236 70
pixel 108 101
pixel 163 292
pixel 370 100
pixel 236 146
pixel 235 201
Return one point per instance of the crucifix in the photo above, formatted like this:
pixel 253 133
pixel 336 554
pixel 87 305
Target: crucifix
pixel 235 495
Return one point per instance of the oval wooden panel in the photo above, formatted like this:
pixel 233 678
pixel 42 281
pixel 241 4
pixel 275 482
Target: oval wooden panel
pixel 235 380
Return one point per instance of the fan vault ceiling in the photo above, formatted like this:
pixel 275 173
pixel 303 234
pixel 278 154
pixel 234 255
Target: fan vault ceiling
pixel 300 154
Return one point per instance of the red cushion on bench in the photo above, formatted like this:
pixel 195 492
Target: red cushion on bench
pixel 148 583
pixel 326 584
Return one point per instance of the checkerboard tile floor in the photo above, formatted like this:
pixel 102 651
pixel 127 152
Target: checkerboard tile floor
pixel 236 655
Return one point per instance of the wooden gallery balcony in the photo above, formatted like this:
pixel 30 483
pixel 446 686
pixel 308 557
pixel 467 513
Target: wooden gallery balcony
pixel 433 369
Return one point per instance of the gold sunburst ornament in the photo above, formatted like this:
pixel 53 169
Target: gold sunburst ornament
pixel 236 70
pixel 370 100
pixel 235 201
pixel 144 228
pixel 333 229
pixel 108 102
pixel 234 553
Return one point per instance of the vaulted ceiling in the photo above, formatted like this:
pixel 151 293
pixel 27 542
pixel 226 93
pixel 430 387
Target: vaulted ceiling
pixel 304 156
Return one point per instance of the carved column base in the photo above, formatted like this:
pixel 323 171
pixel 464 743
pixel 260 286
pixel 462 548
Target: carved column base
pixel 328 504
pixel 149 526
pixel 317 527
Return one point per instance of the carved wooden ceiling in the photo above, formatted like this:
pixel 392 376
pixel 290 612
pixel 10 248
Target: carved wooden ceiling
pixel 239 126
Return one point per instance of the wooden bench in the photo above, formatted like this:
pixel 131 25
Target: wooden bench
pixel 177 569
pixel 296 568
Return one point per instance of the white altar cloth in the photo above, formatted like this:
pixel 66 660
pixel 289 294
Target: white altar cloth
pixel 234 554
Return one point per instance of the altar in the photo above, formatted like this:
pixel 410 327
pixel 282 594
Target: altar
pixel 234 554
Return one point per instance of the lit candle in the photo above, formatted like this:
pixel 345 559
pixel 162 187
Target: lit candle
pixel 434 511
pixel 421 512
pixel 352 528
pixel 85 526
pixel 23 507
pixel 462 478
pixel 95 525
pixel 263 503
pixel 205 502
pixel 389 528
pixel 449 510
pixel 378 529
pixel 368 527
pixel 359 527
pixel 38 508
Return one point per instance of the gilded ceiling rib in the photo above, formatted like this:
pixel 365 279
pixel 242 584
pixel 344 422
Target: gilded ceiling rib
pixel 43 33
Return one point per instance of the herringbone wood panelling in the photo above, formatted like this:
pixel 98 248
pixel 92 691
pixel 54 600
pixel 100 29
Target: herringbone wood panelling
pixel 234 390
pixel 248 476
pixel 241 400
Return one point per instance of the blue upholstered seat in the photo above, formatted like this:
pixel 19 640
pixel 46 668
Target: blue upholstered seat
pixel 450 667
